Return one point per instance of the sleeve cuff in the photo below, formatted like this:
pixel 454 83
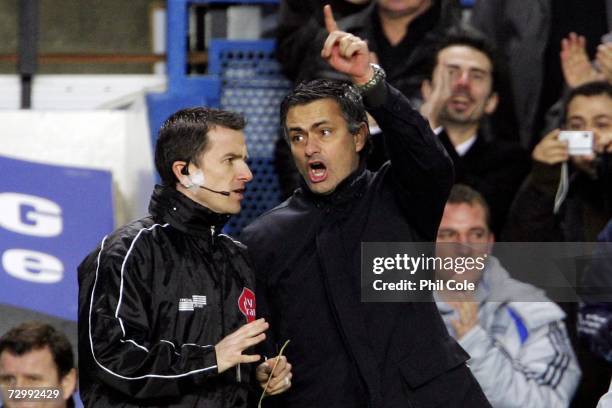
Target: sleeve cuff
pixel 202 359
pixel 375 96
pixel 475 342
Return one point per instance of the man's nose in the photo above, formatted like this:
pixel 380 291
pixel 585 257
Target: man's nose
pixel 463 244
pixel 463 79
pixel 245 174
pixel 312 146
pixel 20 382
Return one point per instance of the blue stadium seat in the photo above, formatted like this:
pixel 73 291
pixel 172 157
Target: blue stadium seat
pixel 251 83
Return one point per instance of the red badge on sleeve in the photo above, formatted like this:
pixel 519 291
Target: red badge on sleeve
pixel 246 304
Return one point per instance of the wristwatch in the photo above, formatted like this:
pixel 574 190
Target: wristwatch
pixel 379 75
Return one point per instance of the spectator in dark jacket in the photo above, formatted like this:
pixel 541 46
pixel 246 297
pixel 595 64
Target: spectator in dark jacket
pixel 583 201
pixel 460 96
pixel 595 315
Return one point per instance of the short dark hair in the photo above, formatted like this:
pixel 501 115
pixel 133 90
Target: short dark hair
pixel 184 136
pixel 464 194
pixel 346 95
pixel 468 36
pixel 34 335
pixel 594 88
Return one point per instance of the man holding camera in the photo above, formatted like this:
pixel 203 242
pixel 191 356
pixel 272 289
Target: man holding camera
pixel 550 207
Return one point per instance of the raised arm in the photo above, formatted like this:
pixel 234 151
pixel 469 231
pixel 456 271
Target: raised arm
pixel 421 171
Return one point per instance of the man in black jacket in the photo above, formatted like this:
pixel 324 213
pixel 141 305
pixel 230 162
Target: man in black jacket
pixel 307 251
pixel 400 36
pixel 166 303
pixel 460 96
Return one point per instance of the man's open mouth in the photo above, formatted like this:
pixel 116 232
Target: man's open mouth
pixel 317 171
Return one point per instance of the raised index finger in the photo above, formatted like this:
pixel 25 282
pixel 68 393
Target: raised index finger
pixel 330 22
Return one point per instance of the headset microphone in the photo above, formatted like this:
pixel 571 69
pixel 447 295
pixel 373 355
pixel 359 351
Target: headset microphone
pixel 200 181
pixel 225 193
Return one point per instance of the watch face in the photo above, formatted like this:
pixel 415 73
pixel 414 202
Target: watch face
pixel 378 72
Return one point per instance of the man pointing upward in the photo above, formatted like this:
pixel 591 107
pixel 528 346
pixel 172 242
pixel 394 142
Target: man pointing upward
pixel 306 252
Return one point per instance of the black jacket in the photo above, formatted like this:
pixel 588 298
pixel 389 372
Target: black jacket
pixel 307 255
pixel 154 299
pixel 583 214
pixel 495 169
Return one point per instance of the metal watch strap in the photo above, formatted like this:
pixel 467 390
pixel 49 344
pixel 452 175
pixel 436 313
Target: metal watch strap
pixel 379 75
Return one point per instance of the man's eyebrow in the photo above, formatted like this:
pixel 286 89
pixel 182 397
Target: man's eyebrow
pixel 313 126
pixel 473 69
pixel 446 229
pixel 319 123
pixel 480 70
pixel 232 156
pixel 603 116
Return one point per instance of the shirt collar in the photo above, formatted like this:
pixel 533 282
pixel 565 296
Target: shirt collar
pixel 462 148
pixel 185 214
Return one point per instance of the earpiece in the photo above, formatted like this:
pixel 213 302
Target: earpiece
pixel 186 181
pixel 197 180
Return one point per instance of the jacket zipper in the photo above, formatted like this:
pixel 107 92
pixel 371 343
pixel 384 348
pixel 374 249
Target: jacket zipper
pixel 221 299
pixel 221 302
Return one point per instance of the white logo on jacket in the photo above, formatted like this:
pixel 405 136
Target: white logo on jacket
pixel 189 304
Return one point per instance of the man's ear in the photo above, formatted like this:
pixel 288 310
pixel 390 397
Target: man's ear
pixel 360 138
pixel 179 170
pixel 68 384
pixel 492 103
pixel 426 89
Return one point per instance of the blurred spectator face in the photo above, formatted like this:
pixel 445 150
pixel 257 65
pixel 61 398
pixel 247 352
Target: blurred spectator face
pixel 401 8
pixel 591 113
pixel 464 232
pixel 34 369
pixel 324 150
pixel 471 83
